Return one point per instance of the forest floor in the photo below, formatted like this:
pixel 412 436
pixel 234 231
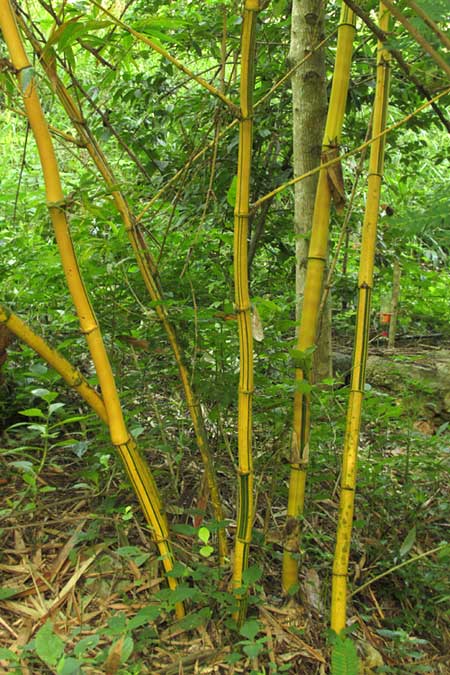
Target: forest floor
pixel 81 591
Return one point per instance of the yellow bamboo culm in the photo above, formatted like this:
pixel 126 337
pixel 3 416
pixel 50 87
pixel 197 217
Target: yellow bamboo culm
pixel 311 301
pixel 365 284
pixel 139 473
pixel 148 270
pixel 243 308
pixel 71 375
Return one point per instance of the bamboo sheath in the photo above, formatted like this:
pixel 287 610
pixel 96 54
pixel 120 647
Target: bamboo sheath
pixel 243 309
pixel 311 301
pixel 138 472
pixel 365 284
pixel 148 270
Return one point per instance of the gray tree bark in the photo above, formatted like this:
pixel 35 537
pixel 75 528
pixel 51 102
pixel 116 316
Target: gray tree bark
pixel 309 99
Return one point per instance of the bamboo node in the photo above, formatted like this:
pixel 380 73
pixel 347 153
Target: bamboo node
pixel 61 204
pixel 89 330
pixel 77 379
pixel 242 390
pixel 252 5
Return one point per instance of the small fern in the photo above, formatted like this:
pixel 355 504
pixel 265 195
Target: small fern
pixel 344 659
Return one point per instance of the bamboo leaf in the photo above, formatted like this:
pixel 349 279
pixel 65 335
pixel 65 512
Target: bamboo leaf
pixel 408 542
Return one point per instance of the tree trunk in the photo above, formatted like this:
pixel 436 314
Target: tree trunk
pixel 309 100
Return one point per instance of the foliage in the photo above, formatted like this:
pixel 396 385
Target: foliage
pixel 150 120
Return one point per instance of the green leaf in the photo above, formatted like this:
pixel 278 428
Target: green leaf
pixel 303 386
pixel 408 542
pixel 231 194
pixel 183 528
pixel 8 655
pixel 117 624
pixel 303 358
pixel 89 642
pixel 146 614
pixel 250 629
pixel 206 551
pixel 55 406
pixel 45 394
pixel 32 412
pixel 49 646
pixel 127 648
pixel 7 592
pixel 194 620
pixel 344 659
pixel 69 666
pixel 204 534
pixel 252 574
pixel 253 650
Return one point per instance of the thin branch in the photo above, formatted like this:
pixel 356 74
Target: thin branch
pixel 230 126
pixel 383 37
pixel 397 567
pixel 429 21
pixel 143 38
pixel 418 37
pixel 339 158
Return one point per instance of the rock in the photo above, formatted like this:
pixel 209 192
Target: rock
pixel 425 375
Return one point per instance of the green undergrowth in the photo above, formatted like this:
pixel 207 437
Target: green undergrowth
pixel 397 575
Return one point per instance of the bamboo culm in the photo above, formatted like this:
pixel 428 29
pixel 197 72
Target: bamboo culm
pixel 148 270
pixel 365 284
pixel 242 302
pixel 311 302
pixel 137 470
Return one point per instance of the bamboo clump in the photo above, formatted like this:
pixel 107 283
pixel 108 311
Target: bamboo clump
pixel 365 285
pixel 243 307
pixel 311 301
pixel 149 272
pixel 137 470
